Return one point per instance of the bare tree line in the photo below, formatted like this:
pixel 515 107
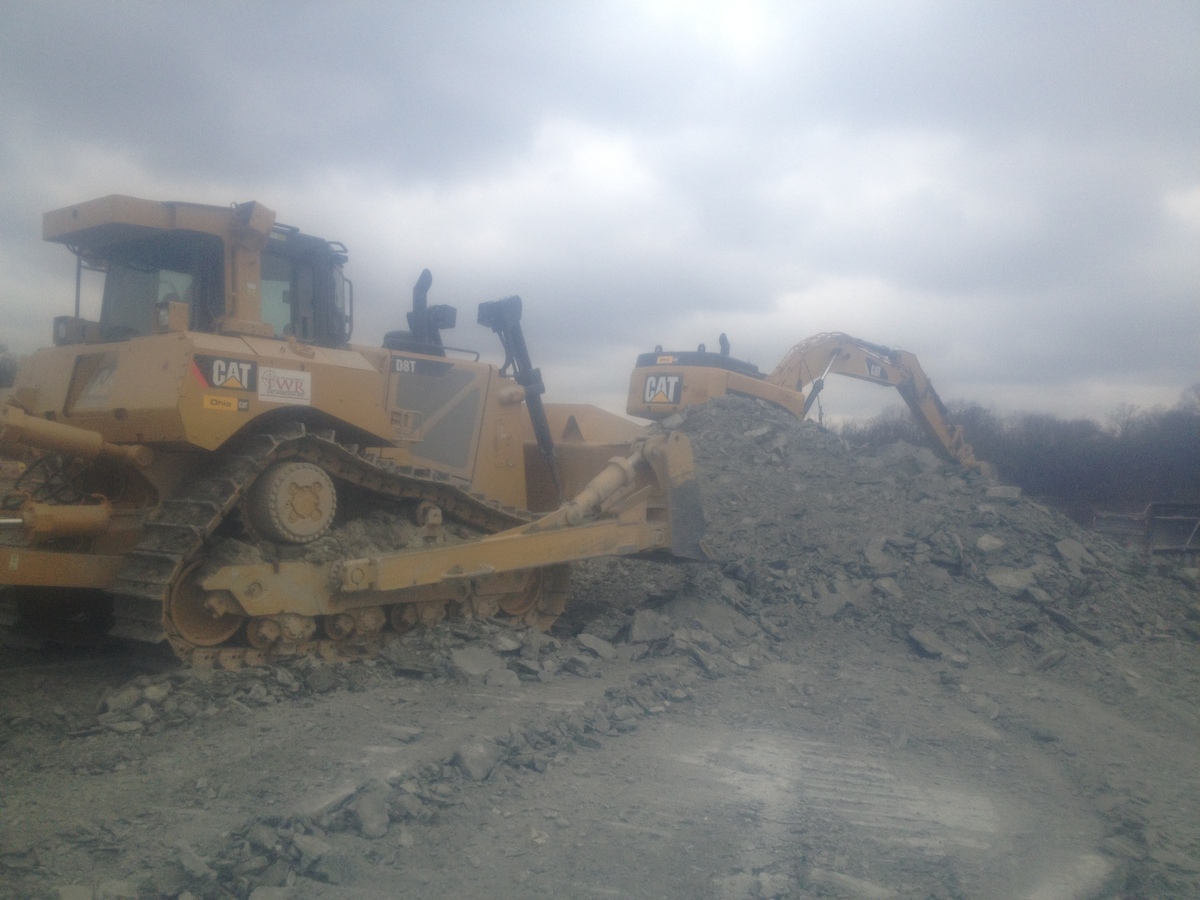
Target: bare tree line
pixel 1136 457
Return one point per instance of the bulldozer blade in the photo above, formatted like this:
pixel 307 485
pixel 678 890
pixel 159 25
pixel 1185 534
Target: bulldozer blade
pixel 686 510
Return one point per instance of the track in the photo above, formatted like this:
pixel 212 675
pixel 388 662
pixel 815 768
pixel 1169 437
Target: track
pixel 154 579
pixel 154 599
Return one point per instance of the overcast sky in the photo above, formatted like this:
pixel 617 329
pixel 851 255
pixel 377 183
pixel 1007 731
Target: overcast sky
pixel 1009 190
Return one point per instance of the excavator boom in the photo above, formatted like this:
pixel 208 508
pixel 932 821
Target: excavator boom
pixel 664 382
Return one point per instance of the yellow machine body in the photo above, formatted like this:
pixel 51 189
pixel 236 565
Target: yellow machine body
pixel 663 382
pixel 218 402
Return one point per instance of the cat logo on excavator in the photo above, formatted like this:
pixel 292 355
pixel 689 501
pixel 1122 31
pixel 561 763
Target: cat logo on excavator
pixel 663 388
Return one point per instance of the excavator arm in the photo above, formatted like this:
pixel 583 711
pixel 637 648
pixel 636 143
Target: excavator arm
pixel 806 365
pixel 665 381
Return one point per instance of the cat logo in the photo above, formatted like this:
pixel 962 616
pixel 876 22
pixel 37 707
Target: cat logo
pixel 230 374
pixel 874 369
pixel 663 388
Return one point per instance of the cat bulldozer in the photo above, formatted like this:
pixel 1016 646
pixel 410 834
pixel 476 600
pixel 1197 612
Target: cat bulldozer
pixel 213 462
pixel 663 382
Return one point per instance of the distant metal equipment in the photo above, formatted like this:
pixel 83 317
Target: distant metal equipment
pixel 1173 528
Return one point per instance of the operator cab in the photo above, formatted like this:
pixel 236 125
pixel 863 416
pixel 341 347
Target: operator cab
pixel 189 267
pixel 168 267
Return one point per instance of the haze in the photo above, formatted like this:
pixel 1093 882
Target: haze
pixel 1011 191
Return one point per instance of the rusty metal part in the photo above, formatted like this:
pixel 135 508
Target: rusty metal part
pixel 47 521
pixel 262 631
pixel 286 628
pixel 431 612
pixel 542 599
pixel 46 568
pixel 18 427
pixel 429 518
pixel 402 617
pixel 292 502
pixel 355 622
pixel 197 617
pixel 368 620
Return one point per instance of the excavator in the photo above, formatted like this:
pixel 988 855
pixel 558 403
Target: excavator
pixel 663 382
pixel 214 463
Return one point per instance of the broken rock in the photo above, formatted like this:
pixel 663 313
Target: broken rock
pixel 1073 552
pixel 599 646
pixel 1010 582
pixel 929 644
pixel 649 626
pixel 372 811
pixel 830 605
pixel 988 543
pixel 478 758
pixel 502 678
pixel 475 662
pixel 311 847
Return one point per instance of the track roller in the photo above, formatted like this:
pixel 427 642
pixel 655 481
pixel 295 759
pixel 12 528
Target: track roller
pixel 287 628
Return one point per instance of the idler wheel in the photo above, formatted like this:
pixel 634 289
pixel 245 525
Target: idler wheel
pixel 199 617
pixel 292 503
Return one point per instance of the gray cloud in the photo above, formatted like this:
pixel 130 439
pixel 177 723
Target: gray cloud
pixel 1011 191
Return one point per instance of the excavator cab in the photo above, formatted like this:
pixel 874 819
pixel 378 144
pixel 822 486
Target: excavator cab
pixel 665 381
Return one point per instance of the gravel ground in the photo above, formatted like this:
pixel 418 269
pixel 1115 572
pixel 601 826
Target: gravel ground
pixel 894 680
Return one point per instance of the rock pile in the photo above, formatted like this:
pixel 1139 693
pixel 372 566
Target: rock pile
pixel 904 544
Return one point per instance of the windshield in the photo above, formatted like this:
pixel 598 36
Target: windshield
pixel 303 292
pixel 180 267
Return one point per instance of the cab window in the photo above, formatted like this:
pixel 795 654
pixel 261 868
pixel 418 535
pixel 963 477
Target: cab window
pixel 181 267
pixel 287 294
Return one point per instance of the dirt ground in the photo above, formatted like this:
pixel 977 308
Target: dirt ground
pixel 895 680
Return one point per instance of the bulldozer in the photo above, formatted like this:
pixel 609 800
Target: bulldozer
pixel 663 382
pixel 214 463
